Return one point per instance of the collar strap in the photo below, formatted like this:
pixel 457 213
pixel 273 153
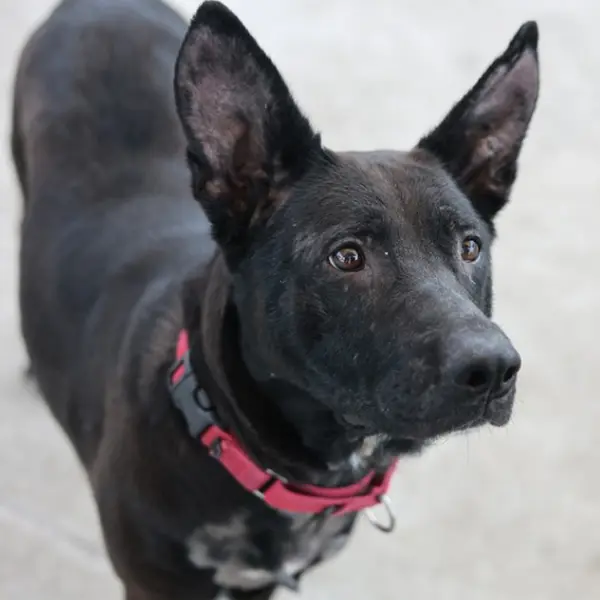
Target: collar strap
pixel 274 490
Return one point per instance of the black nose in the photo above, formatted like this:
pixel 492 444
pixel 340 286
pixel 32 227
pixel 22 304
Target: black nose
pixel 482 362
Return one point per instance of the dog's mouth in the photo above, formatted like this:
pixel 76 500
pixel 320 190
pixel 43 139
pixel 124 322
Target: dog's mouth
pixel 496 411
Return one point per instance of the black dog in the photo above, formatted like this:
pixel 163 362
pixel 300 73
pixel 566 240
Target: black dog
pixel 339 319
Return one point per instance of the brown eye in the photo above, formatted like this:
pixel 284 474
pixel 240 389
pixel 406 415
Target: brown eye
pixel 348 258
pixel 470 249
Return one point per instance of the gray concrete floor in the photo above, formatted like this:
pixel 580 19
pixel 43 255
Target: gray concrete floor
pixel 495 515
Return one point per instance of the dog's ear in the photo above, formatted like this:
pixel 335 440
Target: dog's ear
pixel 247 139
pixel 480 139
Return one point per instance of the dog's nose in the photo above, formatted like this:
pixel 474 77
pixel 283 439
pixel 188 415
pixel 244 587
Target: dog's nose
pixel 482 363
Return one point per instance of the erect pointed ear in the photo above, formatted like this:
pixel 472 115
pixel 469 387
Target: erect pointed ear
pixel 247 139
pixel 480 139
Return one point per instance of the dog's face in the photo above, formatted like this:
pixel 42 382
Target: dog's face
pixel 361 280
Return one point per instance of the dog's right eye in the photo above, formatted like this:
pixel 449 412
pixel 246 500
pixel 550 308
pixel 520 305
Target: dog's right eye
pixel 347 258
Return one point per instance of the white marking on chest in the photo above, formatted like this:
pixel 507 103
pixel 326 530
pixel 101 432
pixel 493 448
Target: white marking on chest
pixel 229 550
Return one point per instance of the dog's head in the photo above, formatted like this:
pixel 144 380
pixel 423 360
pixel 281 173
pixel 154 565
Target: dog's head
pixel 361 280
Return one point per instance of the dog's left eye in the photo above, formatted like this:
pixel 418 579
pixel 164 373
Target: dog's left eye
pixel 470 249
pixel 348 258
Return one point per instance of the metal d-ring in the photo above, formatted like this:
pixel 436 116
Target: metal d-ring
pixel 391 518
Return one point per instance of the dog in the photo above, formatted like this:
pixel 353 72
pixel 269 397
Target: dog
pixel 240 361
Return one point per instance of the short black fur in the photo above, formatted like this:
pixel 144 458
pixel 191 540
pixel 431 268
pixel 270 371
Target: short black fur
pixel 323 373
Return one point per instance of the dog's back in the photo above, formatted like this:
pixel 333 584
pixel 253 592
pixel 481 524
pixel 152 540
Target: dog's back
pixel 100 157
pixel 96 81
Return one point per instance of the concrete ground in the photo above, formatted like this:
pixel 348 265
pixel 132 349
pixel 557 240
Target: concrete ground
pixel 495 515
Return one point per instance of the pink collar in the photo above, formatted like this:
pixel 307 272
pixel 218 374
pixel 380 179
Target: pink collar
pixel 274 490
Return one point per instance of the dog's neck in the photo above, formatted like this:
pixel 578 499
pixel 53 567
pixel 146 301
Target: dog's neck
pixel 298 438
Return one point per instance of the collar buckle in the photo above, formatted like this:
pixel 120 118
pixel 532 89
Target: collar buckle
pixel 191 400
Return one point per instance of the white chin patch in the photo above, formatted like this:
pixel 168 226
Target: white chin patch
pixel 368 447
pixel 370 444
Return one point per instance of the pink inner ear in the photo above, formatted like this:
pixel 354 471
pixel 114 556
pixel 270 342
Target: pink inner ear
pixel 509 94
pixel 226 93
pixel 504 110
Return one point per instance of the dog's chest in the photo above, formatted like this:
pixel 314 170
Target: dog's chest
pixel 249 555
